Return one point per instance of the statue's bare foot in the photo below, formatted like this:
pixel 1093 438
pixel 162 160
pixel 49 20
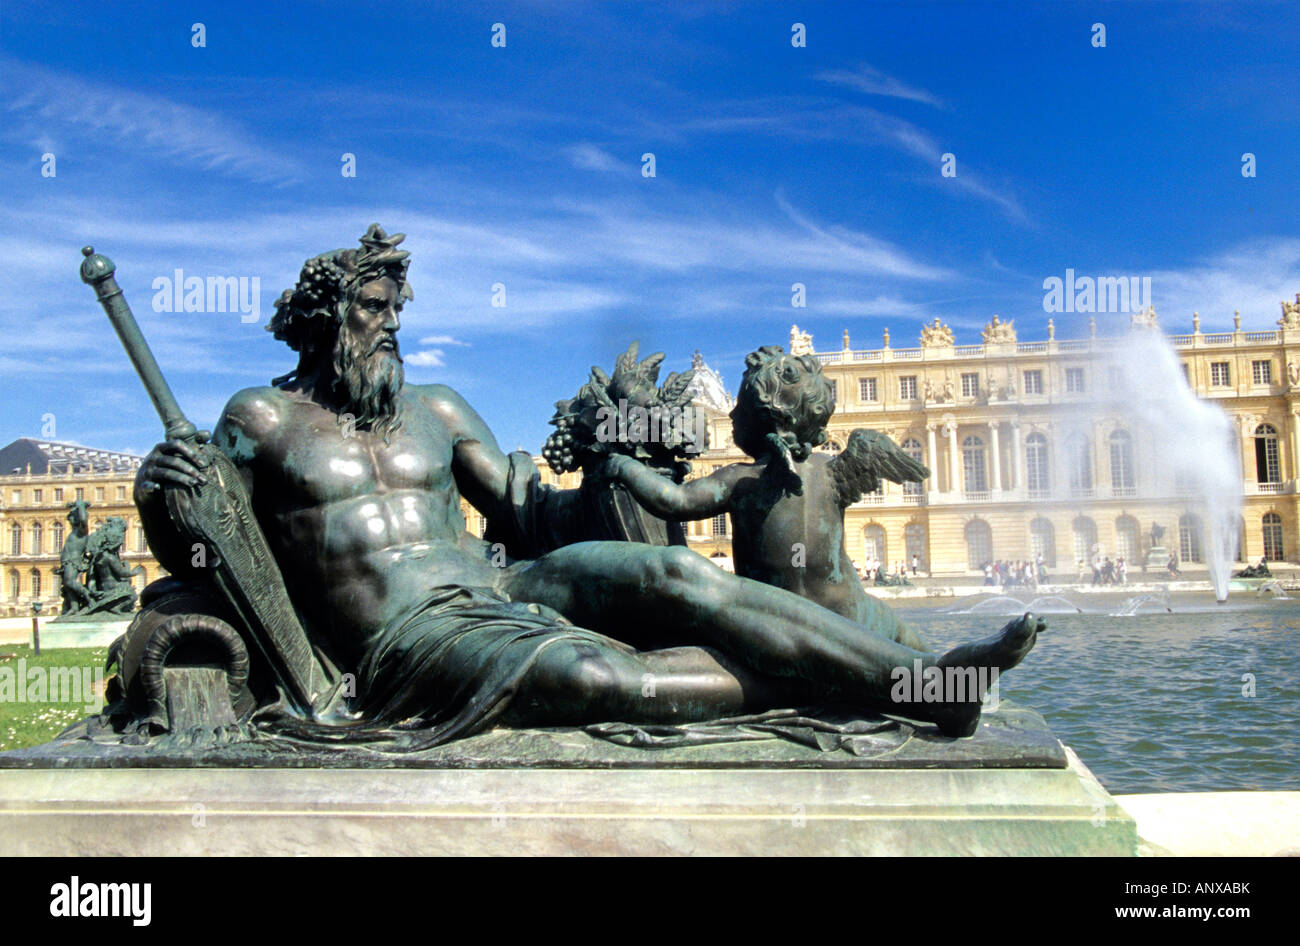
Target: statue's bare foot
pixel 1000 652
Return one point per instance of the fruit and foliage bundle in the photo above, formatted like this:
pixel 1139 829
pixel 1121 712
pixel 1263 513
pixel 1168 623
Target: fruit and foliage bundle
pixel 626 413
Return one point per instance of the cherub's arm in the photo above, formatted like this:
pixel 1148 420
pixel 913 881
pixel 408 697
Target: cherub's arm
pixel 697 499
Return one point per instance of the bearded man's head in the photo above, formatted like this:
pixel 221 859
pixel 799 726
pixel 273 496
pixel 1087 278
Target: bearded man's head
pixel 341 318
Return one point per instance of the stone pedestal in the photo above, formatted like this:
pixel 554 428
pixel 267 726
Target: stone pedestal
pixel 1157 557
pixel 1013 789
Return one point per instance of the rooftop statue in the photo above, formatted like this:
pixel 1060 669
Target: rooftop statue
pixel 936 336
pixel 320 522
pixel 998 332
pixel 1290 313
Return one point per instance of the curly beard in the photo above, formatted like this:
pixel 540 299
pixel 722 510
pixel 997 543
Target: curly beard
pixel 371 381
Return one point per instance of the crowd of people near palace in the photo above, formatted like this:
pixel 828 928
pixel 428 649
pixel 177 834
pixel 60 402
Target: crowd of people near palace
pixel 1021 573
pixel 1018 574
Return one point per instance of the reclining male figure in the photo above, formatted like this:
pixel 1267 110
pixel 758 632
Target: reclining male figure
pixel 355 478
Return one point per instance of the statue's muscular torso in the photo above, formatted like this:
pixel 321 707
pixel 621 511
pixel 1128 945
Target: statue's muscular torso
pixel 369 527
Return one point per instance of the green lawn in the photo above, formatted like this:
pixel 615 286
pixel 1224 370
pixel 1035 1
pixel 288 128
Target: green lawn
pixel 40 709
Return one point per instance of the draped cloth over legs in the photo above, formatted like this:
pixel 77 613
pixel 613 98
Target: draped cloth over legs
pixel 447 668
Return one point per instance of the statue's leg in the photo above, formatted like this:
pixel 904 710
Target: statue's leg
pixel 635 592
pixel 575 682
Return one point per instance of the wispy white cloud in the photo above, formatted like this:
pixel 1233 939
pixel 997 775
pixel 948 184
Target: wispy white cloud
pixel 589 157
pixel 43 102
pixel 442 340
pixel 871 81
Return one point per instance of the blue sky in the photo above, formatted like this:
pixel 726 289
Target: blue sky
pixel 522 166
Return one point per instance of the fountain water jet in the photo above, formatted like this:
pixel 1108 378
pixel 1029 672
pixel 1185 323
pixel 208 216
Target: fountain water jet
pixel 1195 442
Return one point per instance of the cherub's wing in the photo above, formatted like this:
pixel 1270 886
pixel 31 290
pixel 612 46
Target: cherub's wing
pixel 868 458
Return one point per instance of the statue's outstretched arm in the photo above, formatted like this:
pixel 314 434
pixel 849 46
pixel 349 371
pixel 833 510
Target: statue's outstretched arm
pixel 697 499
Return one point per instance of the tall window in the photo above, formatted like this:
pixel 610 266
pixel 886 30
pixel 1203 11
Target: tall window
pixel 912 447
pixel 81 492
pixel 914 542
pixel 1273 537
pixel 1078 456
pixel 979 544
pixel 1189 538
pixel 36 582
pixel 1220 376
pixel 15 584
pixel 1034 382
pixel 1268 468
pixel 907 388
pixel 873 541
pixel 99 494
pixel 867 389
pixel 58 494
pixel 56 533
pixel 15 539
pixel 1085 537
pixel 835 390
pixel 1126 538
pixel 720 524
pixel 140 545
pixel 1036 469
pixel 973 469
pixel 121 493
pixel 38 495
pixel 970 384
pixel 1074 380
pixel 37 548
pixel 1261 372
pixel 1121 463
pixel 1042 541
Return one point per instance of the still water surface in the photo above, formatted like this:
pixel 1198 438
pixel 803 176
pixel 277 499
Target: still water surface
pixel 1154 702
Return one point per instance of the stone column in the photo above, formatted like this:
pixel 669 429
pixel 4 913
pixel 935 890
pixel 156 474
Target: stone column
pixel 932 458
pixel 1017 456
pixel 996 485
pixel 1295 445
pixel 950 428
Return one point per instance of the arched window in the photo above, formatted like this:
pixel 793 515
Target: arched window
pixel 979 544
pixel 1126 538
pixel 1189 538
pixel 912 447
pixel 914 542
pixel 873 543
pixel 973 467
pixel 15 539
pixel 37 548
pixel 56 533
pixel 15 584
pixel 1037 477
pixel 1121 463
pixel 1268 466
pixel 1085 537
pixel 36 582
pixel 1273 537
pixel 1042 541
pixel 1078 458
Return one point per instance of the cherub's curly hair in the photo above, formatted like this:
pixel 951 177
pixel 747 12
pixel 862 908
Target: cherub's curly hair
pixel 327 282
pixel 792 394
